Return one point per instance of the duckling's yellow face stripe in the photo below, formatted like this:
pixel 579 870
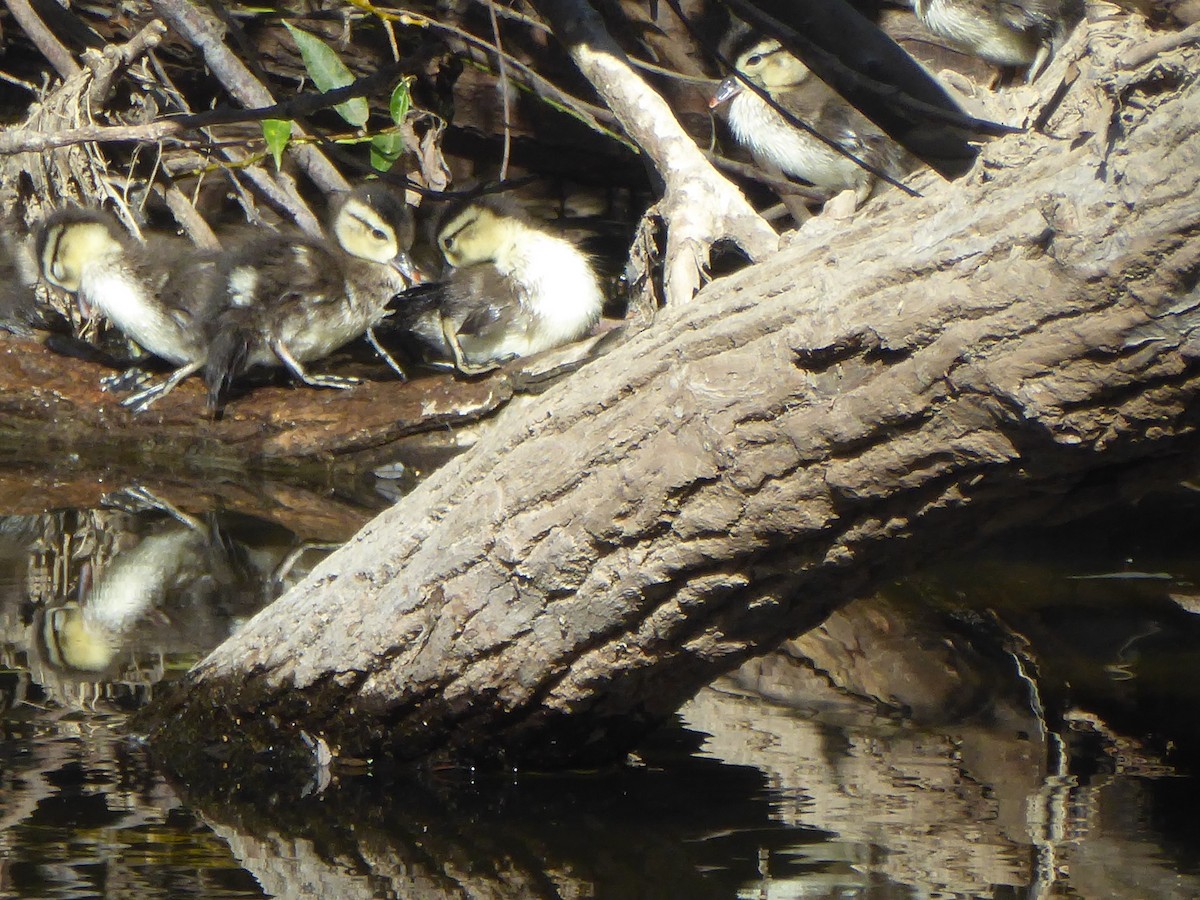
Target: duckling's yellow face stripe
pixel 70 247
pixel 473 236
pixel 769 65
pixel 362 232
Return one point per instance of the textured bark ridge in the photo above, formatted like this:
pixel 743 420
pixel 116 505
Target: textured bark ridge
pixel 1015 345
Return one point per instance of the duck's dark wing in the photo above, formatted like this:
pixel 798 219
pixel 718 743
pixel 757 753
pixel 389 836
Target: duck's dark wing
pixel 1046 19
pixel 185 278
pixel 481 302
pixel 414 317
pixel 477 302
pixel 277 270
pixel 833 117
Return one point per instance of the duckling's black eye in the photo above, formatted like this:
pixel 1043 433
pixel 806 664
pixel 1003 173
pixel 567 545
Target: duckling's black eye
pixel 378 234
pixel 754 60
pixel 448 244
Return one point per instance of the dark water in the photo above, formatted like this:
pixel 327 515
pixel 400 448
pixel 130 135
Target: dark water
pixel 1033 732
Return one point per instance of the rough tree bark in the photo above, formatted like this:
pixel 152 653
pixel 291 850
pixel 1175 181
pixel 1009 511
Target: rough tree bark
pixel 1011 346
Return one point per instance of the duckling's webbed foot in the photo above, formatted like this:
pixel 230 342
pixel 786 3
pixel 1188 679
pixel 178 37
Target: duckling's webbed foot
pixel 330 381
pixel 450 333
pixel 129 380
pixel 319 381
pixel 142 400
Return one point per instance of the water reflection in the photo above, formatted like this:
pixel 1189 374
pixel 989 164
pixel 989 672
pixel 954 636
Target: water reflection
pixel 102 604
pixel 999 728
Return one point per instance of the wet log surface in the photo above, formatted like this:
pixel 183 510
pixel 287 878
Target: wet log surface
pixel 1018 345
pixel 53 412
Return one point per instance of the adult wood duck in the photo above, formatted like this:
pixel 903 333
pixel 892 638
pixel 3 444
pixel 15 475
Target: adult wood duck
pixel 776 144
pixel 158 294
pixel 1004 32
pixel 290 300
pixel 515 288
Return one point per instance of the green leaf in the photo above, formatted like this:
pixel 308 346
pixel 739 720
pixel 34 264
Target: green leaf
pixel 386 148
pixel 277 133
pixel 328 72
pixel 401 101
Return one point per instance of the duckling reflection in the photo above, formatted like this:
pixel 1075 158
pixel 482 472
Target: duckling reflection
pixel 158 294
pixel 777 144
pixel 515 289
pixel 182 564
pixel 1004 32
pixel 291 300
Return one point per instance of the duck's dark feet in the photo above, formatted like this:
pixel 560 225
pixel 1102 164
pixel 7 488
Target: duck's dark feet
pixel 129 380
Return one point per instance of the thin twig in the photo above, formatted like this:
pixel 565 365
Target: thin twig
pixel 200 30
pixel 12 79
pixel 671 73
pixel 548 92
pixel 777 184
pixel 36 141
pixel 504 90
pixel 1143 53
pixel 48 45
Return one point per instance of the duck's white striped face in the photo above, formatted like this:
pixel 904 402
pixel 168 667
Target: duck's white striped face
pixel 363 232
pixel 477 234
pixel 72 246
pixel 767 64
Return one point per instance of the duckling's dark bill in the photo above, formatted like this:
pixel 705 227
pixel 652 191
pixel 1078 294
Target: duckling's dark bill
pixel 726 90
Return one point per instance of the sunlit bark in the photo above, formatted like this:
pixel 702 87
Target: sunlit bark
pixel 1019 344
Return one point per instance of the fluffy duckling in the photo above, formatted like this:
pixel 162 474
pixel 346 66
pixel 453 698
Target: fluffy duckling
pixel 158 294
pixel 290 300
pixel 777 144
pixel 514 289
pixel 1004 32
pixel 19 312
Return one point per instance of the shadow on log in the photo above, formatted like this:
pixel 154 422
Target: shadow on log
pixel 1019 345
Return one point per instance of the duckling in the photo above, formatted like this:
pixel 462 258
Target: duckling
pixel 515 289
pixel 158 294
pixel 1004 32
pixel 289 300
pixel 19 312
pixel 776 143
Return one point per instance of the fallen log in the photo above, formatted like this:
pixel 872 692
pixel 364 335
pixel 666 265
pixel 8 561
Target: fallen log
pixel 53 412
pixel 1018 345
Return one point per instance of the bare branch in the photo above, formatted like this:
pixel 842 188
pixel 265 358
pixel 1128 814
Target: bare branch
pixel 58 55
pixel 18 141
pixel 206 35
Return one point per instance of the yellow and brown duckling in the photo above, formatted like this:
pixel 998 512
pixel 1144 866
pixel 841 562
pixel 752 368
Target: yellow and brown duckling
pixel 1020 33
pixel 515 288
pixel 159 294
pixel 291 300
pixel 777 144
